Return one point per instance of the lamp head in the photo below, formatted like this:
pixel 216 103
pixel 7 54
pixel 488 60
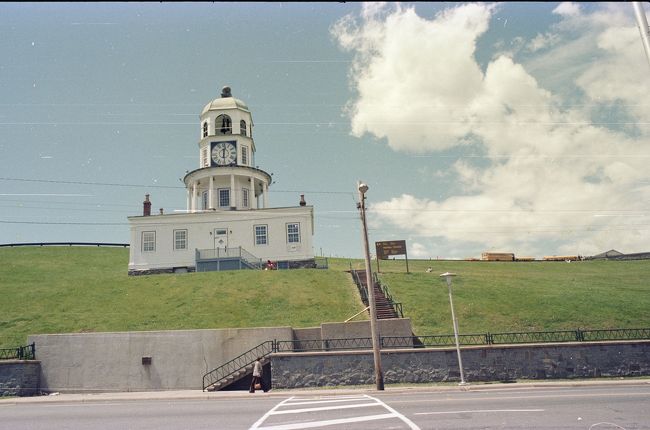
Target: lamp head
pixel 363 187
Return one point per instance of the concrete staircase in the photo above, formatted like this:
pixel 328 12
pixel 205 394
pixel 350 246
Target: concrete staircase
pixel 238 375
pixel 385 309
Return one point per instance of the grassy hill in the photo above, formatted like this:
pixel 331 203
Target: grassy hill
pixel 78 289
pixel 534 296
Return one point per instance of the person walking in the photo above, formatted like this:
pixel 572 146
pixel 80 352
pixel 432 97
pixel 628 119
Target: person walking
pixel 256 382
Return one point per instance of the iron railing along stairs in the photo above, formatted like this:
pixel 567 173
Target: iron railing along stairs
pixel 385 305
pixel 238 367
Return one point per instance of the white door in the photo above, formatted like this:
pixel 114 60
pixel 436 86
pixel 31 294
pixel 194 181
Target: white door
pixel 221 238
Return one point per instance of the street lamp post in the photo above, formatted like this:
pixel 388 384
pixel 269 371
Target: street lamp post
pixel 374 332
pixel 448 277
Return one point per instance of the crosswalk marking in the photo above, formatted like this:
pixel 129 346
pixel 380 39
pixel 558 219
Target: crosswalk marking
pixel 287 406
pixel 326 408
pixel 325 423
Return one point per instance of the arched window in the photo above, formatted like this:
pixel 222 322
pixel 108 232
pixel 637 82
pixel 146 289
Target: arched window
pixel 223 125
pixel 242 127
pixel 205 129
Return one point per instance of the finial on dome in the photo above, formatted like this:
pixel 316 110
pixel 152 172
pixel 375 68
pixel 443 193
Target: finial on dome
pixel 226 92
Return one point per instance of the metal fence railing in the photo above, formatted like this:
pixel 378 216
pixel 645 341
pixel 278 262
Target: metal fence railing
pixel 246 259
pixel 263 350
pixel 464 339
pixel 20 353
pixel 99 244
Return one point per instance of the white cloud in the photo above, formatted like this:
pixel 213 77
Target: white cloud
pixel 567 9
pixel 543 41
pixel 551 168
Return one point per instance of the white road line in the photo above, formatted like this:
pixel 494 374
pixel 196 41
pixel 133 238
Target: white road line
pixel 479 411
pixel 325 408
pixel 410 423
pixel 318 402
pixel 270 412
pixel 354 396
pixel 315 424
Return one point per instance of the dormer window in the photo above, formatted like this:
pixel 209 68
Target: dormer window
pixel 223 124
pixel 242 127
pixel 205 129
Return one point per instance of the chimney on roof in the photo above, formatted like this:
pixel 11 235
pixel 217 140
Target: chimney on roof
pixel 302 200
pixel 146 209
pixel 161 211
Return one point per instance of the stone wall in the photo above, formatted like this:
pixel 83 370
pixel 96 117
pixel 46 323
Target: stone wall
pixel 19 377
pixel 485 363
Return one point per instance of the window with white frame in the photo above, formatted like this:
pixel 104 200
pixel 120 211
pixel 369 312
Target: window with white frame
pixel 261 235
pixel 180 240
pixel 205 129
pixel 244 198
pixel 293 232
pixel 242 127
pixel 224 197
pixel 148 241
pixel 244 155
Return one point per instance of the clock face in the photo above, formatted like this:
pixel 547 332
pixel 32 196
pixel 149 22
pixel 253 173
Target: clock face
pixel 224 153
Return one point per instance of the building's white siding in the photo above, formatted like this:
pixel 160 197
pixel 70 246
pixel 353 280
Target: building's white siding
pixel 240 226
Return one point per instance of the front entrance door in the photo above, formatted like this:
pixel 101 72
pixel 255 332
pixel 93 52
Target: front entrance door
pixel 220 238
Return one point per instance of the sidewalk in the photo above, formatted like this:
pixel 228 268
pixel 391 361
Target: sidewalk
pixel 322 391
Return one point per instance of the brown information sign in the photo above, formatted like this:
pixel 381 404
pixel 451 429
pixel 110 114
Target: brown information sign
pixel 391 247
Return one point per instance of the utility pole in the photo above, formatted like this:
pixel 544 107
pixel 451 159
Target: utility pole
pixel 642 22
pixel 374 332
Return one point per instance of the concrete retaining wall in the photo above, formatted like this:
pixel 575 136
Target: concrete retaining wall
pixel 485 363
pixel 389 327
pixel 116 361
pixel 19 377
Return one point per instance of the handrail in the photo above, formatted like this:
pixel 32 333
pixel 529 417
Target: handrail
pixel 384 289
pixel 232 252
pixel 238 363
pixel 362 291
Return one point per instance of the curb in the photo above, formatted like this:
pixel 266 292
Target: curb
pixel 231 395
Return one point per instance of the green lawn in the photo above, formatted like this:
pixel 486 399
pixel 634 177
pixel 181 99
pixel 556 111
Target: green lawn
pixel 502 297
pixel 79 289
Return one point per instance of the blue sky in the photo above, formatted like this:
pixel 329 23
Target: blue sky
pixel 518 127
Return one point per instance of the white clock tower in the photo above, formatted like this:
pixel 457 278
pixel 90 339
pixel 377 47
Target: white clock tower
pixel 227 177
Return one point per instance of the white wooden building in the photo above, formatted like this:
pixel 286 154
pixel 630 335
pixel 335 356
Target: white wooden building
pixel 229 223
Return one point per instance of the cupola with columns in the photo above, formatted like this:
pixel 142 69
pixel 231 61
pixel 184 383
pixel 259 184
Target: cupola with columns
pixel 227 178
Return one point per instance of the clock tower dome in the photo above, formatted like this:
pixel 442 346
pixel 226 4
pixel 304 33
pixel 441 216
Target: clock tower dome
pixel 227 178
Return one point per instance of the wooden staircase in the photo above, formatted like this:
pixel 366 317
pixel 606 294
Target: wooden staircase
pixel 385 308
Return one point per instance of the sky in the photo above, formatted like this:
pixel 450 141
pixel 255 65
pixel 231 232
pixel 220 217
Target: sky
pixel 516 127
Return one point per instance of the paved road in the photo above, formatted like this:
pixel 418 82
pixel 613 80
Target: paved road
pixel 562 407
